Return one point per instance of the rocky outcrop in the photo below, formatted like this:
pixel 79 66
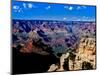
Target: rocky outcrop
pixel 84 57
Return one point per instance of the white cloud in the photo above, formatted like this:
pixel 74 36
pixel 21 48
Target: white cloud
pixel 78 7
pixel 19 10
pixel 85 18
pixel 30 5
pixel 70 8
pixel 24 5
pixel 48 7
pixel 15 7
pixel 64 18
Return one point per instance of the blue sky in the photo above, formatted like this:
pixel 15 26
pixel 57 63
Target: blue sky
pixel 46 11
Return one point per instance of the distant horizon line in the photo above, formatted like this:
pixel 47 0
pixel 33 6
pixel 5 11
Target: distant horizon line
pixel 54 20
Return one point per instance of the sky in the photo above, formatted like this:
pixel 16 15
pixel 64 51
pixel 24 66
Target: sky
pixel 46 11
